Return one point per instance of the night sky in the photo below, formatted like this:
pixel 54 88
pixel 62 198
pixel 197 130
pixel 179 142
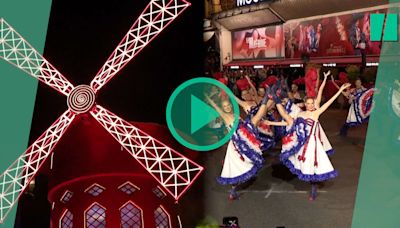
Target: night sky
pixel 81 36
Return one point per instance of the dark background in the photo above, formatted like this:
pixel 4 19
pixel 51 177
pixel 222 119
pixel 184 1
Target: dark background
pixel 80 37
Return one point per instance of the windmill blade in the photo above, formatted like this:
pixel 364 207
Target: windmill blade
pixel 172 170
pixel 157 15
pixel 17 177
pixel 17 51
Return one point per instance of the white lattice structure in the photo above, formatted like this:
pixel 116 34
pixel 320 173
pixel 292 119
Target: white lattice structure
pixel 157 15
pixel 174 172
pixel 15 50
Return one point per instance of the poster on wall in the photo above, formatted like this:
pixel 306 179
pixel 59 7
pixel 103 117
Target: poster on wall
pixel 343 35
pixel 258 43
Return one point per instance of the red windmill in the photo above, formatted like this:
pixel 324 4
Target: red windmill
pixel 174 172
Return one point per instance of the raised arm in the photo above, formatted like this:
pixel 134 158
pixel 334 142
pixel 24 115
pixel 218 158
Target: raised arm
pixel 246 107
pixel 325 106
pixel 316 87
pixel 227 119
pixel 265 104
pixel 261 111
pixel 321 89
pixel 281 109
pixel 215 106
pixel 275 123
pixel 284 114
pixel 334 83
pixel 256 98
pixel 337 87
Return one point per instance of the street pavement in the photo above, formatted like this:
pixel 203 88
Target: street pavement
pixel 278 199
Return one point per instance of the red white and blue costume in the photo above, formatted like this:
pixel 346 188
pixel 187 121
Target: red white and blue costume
pixel 361 107
pixel 264 133
pixel 243 157
pixel 304 153
pixel 293 110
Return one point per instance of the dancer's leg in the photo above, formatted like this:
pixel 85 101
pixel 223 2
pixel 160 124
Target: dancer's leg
pixel 313 194
pixel 233 194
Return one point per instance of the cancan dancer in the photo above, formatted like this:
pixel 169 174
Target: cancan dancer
pixel 302 148
pixel 360 100
pixel 243 157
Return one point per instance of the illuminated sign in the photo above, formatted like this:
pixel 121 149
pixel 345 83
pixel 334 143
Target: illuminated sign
pixel 247 2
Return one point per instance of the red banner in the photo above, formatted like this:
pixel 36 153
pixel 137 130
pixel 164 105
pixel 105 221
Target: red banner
pixel 259 43
pixel 343 35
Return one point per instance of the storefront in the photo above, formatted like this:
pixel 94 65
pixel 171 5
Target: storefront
pixel 277 33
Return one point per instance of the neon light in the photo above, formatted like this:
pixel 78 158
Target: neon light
pixel 17 177
pixel 372 64
pixel 240 3
pixel 157 15
pixel 81 99
pixel 17 51
pixel 173 171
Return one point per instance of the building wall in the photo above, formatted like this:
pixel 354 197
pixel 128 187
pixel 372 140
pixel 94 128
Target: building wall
pixel 225 43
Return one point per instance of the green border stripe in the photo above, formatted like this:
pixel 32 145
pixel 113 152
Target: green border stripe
pixel 18 89
pixel 378 194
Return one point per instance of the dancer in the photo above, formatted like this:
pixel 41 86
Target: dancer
pixel 294 109
pixel 360 100
pixel 295 95
pixel 324 139
pixel 265 134
pixel 248 101
pixel 251 105
pixel 243 156
pixel 302 149
pixel 253 91
pixel 312 81
pixel 260 92
pixel 249 96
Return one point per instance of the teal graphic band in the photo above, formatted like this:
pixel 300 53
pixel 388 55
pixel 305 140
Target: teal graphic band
pixel 18 89
pixel 390 31
pixel 378 200
pixel 386 27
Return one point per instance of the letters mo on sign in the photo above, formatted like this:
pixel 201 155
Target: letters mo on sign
pixel 387 26
pixel 247 2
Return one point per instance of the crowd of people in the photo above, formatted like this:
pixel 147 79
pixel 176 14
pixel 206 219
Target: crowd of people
pixel 276 112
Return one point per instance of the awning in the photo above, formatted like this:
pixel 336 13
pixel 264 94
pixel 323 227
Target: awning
pixel 279 11
pixel 339 61
pixel 244 17
pixel 294 9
